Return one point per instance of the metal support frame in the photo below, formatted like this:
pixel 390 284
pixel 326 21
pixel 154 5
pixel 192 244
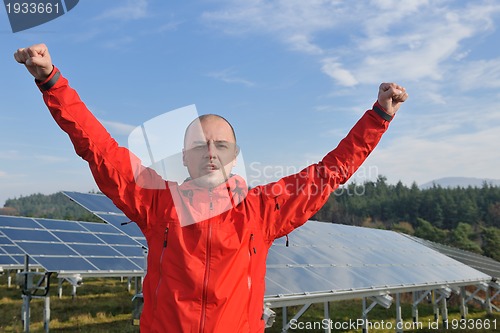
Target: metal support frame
pixel 326 309
pixel 444 310
pixel 399 319
pixel 59 287
pixel 414 306
pixel 435 305
pixel 284 317
pixel 25 312
pixel 384 300
pixel 416 301
pixel 486 303
pixel 494 285
pixel 495 294
pixel 297 316
pixel 75 280
pixel 138 303
pixel 444 293
pixel 136 284
pixel 463 307
pixel 9 278
pixel 29 290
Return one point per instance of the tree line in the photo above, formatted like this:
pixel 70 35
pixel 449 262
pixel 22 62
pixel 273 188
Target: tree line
pixel 53 206
pixel 463 217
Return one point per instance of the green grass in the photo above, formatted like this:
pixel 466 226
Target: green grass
pixel 104 305
pixel 101 305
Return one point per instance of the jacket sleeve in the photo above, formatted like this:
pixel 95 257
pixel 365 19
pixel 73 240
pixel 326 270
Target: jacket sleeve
pixel 118 173
pixel 292 200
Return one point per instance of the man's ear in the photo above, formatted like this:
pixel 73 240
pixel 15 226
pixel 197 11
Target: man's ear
pixel 236 153
pixel 184 157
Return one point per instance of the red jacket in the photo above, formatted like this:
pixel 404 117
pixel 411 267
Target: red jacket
pixel 208 276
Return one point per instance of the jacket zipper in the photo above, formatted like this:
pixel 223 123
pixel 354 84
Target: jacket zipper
pixel 207 267
pixel 205 280
pixel 165 243
pixel 211 201
pixel 253 250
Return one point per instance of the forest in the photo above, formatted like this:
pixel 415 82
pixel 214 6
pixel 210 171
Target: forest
pixel 463 217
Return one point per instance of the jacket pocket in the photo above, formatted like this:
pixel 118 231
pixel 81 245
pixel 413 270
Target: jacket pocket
pixel 161 269
pixel 251 245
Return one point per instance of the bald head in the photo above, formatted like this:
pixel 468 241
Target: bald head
pixel 208 118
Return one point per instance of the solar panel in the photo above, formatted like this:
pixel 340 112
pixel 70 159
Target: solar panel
pixel 70 247
pixel 96 203
pixel 103 207
pixel 332 258
pixel 11 256
pixel 481 263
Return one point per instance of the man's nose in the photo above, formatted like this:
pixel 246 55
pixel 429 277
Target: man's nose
pixel 211 150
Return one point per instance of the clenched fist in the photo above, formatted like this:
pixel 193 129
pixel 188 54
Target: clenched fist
pixel 37 60
pixel 390 97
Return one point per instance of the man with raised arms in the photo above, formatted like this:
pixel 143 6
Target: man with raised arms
pixel 208 237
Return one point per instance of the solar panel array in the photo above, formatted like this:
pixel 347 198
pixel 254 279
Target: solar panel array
pixel 481 263
pixel 332 258
pixel 103 207
pixel 11 256
pixel 324 257
pixel 71 247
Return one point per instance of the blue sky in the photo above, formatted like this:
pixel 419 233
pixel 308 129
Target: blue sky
pixel 292 76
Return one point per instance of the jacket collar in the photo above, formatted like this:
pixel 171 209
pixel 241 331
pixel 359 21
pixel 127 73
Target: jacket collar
pixel 236 184
pixel 196 204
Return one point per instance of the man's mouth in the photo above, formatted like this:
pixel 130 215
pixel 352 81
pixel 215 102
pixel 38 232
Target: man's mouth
pixel 211 167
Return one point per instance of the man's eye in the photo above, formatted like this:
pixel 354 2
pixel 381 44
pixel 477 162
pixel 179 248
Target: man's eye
pixel 199 147
pixel 221 145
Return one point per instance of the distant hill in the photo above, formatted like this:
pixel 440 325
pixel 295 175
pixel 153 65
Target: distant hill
pixel 450 182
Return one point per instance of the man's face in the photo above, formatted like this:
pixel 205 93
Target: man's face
pixel 210 151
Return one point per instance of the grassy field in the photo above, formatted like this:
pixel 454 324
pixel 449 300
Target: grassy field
pixel 104 305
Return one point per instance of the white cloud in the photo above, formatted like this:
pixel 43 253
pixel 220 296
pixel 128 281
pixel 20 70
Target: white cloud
pixel 302 43
pixel 118 128
pixel 480 74
pixel 118 43
pixel 50 158
pixel 169 26
pixel 335 70
pixel 131 10
pixel 14 155
pixel 420 40
pixel 429 46
pixel 411 158
pixel 229 76
pixel 456 141
pixel 10 155
pixel 279 16
pixel 293 21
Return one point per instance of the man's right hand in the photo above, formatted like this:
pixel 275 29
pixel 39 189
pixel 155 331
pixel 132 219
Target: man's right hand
pixel 37 60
